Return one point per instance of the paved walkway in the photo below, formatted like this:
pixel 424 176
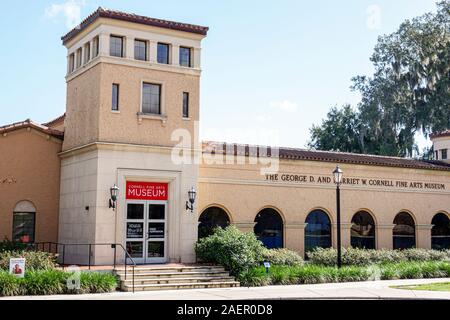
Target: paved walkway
pixel 350 290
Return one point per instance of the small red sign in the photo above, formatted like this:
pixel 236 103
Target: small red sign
pixel 147 190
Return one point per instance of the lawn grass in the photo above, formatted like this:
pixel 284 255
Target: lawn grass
pixel 442 286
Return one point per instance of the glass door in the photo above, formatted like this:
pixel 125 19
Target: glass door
pixel 146 231
pixel 156 232
pixel 134 230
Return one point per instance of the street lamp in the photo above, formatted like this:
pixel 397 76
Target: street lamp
pixel 114 190
pixel 190 204
pixel 337 175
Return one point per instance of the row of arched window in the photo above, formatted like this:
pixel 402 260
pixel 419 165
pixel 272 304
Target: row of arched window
pixel 269 229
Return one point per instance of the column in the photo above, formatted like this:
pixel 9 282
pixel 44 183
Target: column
pixel 197 58
pixel 68 63
pixel 384 236
pixel 103 44
pixel 75 59
pixel 153 54
pixel 345 235
pixel 423 234
pixel 91 50
pixel 294 238
pixel 83 60
pixel 175 55
pixel 129 48
pixel 245 226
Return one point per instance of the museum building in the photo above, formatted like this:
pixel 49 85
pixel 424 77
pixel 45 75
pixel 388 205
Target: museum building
pixel 124 166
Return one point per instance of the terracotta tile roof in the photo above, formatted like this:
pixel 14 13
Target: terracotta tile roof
pixel 325 156
pixel 131 17
pixel 445 133
pixel 30 124
pixel 56 120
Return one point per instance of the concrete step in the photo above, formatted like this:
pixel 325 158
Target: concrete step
pixel 169 269
pixel 129 281
pixel 177 286
pixel 172 274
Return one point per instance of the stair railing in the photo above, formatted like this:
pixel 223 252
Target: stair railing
pixel 50 245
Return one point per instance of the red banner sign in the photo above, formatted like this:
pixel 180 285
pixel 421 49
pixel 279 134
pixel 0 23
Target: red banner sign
pixel 147 190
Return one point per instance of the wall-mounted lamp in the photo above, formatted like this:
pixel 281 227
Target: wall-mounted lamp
pixel 190 204
pixel 114 190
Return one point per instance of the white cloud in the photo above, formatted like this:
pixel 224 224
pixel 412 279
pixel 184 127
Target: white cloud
pixel 284 105
pixel 71 10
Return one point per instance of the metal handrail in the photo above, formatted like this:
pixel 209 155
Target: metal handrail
pixel 113 246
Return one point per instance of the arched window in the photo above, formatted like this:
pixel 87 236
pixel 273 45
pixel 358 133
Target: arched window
pixel 404 233
pixel 440 233
pixel 210 219
pixel 363 231
pixel 24 222
pixel 317 231
pixel 269 228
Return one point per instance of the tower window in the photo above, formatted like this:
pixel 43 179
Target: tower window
pixel 116 46
pixel 185 104
pixel 163 53
pixel 151 98
pixel 87 53
pixel 95 47
pixel 444 154
pixel 140 50
pixel 115 97
pixel 79 52
pixel 185 57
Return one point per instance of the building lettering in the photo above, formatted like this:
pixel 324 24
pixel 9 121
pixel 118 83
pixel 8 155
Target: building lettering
pixel 384 183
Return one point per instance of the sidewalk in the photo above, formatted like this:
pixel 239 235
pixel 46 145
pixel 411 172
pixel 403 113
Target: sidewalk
pixel 349 290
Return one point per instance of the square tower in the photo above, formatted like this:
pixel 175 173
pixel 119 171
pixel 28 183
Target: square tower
pixel 132 81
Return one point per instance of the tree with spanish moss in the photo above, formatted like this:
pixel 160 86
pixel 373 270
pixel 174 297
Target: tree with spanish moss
pixel 409 92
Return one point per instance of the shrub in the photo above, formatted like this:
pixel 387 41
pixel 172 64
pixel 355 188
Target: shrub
pixel 9 285
pixel 231 248
pixel 47 282
pixel 7 245
pixel 94 282
pixel 254 277
pixel 350 256
pixel 362 257
pixel 50 282
pixel 311 274
pixel 426 255
pixel 282 257
pixel 386 256
pixel 352 274
pixel 35 260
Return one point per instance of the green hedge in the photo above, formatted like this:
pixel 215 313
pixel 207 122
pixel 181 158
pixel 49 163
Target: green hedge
pixel 362 257
pixel 50 282
pixel 310 273
pixel 35 260
pixel 282 257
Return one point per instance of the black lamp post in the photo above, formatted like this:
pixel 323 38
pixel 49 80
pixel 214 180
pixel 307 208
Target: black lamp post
pixel 337 175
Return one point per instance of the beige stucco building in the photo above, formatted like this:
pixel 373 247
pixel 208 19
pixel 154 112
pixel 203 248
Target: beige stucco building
pixel 131 125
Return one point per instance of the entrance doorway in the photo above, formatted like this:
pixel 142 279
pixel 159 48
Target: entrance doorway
pixel 146 230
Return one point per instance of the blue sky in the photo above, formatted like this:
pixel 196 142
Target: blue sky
pixel 271 69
